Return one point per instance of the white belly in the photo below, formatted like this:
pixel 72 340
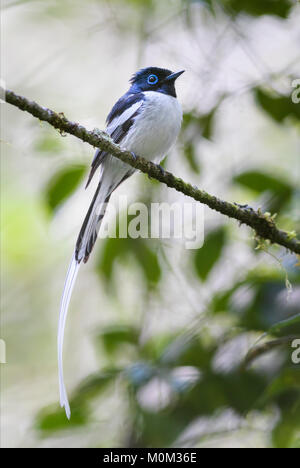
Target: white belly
pixel 156 128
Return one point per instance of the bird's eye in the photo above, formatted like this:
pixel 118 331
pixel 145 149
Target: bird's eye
pixel 152 79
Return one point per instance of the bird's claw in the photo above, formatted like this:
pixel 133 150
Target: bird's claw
pixel 162 171
pixel 244 207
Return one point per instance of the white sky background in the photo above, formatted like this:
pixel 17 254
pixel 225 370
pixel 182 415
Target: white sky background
pixel 79 62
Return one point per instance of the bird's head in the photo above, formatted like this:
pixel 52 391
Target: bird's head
pixel 155 79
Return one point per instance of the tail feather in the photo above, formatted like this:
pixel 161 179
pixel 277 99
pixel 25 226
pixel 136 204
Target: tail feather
pixel 85 242
pixel 84 245
pixel 68 288
pixel 91 224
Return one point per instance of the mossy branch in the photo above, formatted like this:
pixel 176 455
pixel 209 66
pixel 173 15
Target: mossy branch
pixel 262 223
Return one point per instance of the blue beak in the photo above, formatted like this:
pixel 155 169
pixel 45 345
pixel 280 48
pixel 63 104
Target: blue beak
pixel 174 76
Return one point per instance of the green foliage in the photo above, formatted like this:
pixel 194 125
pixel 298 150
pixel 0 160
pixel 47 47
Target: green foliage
pixel 201 124
pixel 260 182
pixel 49 143
pixel 191 157
pixel 207 3
pixel 286 327
pixel 277 107
pixel 284 390
pixel 194 128
pixel 280 191
pixel 196 353
pixel 62 185
pixel 268 304
pixel 117 250
pixel 114 336
pixel 207 393
pixel 266 308
pixel 287 432
pixel 207 121
pixel 185 357
pixel 92 386
pixel 207 256
pixel 144 3
pixel 54 419
pixel 259 7
pixel 156 349
pixel 254 8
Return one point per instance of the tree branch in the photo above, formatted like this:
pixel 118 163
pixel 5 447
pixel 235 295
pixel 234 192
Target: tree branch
pixel 260 350
pixel 263 225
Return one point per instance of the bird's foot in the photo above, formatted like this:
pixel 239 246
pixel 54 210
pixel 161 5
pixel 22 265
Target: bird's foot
pixel 162 171
pixel 133 155
pixel 244 207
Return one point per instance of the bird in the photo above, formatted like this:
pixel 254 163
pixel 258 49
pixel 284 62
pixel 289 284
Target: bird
pixel 146 121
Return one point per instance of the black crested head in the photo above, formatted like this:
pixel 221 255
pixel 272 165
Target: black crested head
pixel 143 74
pixel 157 79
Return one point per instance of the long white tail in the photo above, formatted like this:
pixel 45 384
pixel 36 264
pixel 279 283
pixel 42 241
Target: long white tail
pixel 68 288
pixel 85 242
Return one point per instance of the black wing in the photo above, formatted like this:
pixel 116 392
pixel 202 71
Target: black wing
pixel 118 121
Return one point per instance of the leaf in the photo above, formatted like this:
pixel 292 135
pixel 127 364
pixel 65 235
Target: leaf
pixel 49 144
pixel 268 307
pixel 154 348
pixel 195 353
pixel 279 8
pixel 159 429
pixel 259 182
pixel 207 122
pixel 92 386
pixel 287 381
pixel 114 336
pixel 243 389
pixel 262 299
pixel 201 123
pixel 144 4
pixel 221 300
pixel 236 390
pixel 119 249
pixel 283 392
pixel 212 393
pixel 112 250
pixel 287 432
pixel 208 255
pixel 148 261
pixel 63 184
pixel 195 127
pixel 290 325
pixel 189 152
pixel 52 419
pixel 277 107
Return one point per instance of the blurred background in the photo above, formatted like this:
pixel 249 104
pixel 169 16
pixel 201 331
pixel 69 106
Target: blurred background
pixel 157 335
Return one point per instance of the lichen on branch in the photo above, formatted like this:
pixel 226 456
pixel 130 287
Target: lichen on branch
pixel 262 223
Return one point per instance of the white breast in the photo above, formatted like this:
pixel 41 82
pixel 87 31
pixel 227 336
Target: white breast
pixel 155 128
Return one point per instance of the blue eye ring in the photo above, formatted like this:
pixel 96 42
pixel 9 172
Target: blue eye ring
pixel 152 79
